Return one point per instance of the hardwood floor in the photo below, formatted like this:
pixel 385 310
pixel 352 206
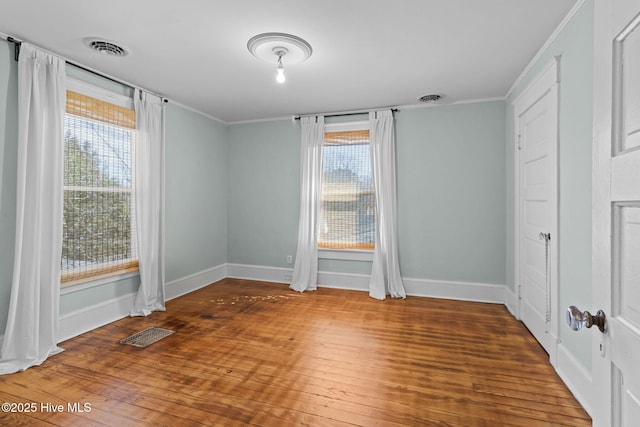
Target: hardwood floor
pixel 253 353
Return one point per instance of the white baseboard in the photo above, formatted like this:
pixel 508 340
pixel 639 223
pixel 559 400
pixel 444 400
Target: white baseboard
pixel 511 302
pixel 465 291
pixel 195 281
pixel 259 273
pixel 359 282
pixel 86 319
pixel 576 377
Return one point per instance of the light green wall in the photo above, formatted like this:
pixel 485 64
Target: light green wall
pixel 575 47
pixel 196 193
pixel 264 175
pixel 451 193
pixel 79 299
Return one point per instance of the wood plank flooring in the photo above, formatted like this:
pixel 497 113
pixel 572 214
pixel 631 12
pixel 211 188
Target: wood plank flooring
pixel 253 353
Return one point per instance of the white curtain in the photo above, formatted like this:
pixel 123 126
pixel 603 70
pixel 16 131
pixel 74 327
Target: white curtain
pixel 385 271
pixel 32 324
pixel 305 270
pixel 149 202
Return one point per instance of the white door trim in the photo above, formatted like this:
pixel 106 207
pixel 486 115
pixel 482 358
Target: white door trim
pixel 548 79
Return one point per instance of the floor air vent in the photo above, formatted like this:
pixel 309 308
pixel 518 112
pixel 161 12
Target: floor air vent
pixel 146 337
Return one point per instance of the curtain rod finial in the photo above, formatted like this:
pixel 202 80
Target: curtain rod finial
pixel 16 44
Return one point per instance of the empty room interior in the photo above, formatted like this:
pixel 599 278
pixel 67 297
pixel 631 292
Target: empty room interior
pixel 338 213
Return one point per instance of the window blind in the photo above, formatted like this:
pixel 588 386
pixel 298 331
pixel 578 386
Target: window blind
pixel 96 109
pixel 347 212
pixel 99 235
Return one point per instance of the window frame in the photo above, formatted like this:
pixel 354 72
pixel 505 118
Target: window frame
pixel 345 253
pixel 124 268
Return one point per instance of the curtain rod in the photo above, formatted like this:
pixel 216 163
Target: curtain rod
pixel 352 113
pixel 17 43
pixel 95 73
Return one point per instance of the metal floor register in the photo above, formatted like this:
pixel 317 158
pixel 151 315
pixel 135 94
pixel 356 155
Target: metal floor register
pixel 146 337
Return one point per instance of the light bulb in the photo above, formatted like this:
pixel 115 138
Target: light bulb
pixel 280 70
pixel 280 78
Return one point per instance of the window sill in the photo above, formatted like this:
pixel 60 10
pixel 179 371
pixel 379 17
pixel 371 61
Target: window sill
pixel 346 254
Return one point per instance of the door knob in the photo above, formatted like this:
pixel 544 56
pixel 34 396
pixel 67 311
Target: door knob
pixel 577 319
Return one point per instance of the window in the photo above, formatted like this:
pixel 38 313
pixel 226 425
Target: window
pixel 348 206
pixel 99 237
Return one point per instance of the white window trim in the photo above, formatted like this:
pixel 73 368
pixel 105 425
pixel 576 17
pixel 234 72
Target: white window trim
pixel 346 126
pixel 97 92
pixel 346 254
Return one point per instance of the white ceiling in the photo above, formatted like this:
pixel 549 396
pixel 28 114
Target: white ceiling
pixel 366 53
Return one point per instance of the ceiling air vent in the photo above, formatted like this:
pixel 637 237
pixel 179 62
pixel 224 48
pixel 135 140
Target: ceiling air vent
pixel 430 98
pixel 106 47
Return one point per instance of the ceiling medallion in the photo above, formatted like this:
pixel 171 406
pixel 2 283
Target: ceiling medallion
pixel 279 48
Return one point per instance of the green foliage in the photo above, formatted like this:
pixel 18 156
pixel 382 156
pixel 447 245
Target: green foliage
pixel 97 225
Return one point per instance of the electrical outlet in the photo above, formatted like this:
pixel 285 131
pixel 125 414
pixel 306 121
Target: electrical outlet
pixel 289 259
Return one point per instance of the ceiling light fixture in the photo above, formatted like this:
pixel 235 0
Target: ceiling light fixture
pixel 272 47
pixel 280 52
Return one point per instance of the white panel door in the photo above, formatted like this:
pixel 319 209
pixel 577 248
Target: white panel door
pixel 616 215
pixel 537 124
